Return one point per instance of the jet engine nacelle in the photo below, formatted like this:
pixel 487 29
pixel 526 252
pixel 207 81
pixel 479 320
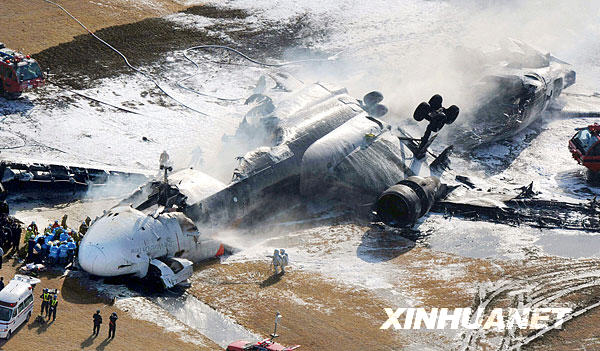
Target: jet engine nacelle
pixel 401 205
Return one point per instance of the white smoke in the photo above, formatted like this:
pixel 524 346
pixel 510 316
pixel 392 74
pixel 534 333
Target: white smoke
pixel 412 52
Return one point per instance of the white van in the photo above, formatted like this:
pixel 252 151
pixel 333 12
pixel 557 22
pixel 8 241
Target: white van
pixel 16 303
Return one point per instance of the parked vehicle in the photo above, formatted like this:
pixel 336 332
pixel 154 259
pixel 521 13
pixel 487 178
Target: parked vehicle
pixel 16 304
pixel 18 73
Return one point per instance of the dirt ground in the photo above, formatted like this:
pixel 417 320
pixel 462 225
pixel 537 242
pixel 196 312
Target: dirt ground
pixel 35 25
pixel 339 317
pixel 72 329
pixel 77 59
pixel 578 334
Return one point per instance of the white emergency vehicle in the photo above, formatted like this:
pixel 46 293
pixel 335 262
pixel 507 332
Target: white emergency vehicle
pixel 16 304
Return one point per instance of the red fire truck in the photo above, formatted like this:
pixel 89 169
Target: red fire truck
pixel 265 345
pixel 585 148
pixel 18 73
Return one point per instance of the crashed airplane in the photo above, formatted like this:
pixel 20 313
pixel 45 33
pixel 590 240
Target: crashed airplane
pixel 520 85
pixel 324 142
pixel 318 140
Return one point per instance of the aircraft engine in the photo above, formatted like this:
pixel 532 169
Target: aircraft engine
pixel 401 205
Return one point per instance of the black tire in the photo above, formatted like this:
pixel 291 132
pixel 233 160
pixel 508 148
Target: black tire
pixel 28 317
pixel 373 98
pixel 422 111
pixel 436 102
pixel 451 114
pixel 8 335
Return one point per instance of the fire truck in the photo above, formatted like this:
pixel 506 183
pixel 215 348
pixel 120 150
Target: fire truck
pixel 265 345
pixel 585 148
pixel 18 73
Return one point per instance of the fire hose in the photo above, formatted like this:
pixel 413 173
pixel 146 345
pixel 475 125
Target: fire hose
pixel 185 53
pixel 145 74
pixel 244 56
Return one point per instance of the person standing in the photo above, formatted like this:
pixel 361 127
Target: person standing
pixel 1 255
pixel 63 223
pixel 112 325
pixel 1 283
pixel 30 245
pixel 37 252
pixel 33 228
pixel 284 260
pixel 45 301
pixel 53 306
pixel 97 322
pixel 16 236
pixel 276 261
pixel 71 246
pixel 83 228
pixel 45 246
pixel 53 255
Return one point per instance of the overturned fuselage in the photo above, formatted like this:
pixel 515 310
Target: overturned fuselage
pixel 518 89
pixel 324 144
pixel 327 145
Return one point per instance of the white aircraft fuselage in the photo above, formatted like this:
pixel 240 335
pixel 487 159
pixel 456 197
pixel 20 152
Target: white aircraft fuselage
pixel 125 240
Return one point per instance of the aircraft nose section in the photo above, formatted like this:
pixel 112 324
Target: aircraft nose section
pixel 92 259
pixel 106 248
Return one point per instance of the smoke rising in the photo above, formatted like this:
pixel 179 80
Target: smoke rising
pixel 435 46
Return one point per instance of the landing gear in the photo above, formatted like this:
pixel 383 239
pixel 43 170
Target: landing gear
pixel 437 115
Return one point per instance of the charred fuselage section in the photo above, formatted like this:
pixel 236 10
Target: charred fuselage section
pixel 511 98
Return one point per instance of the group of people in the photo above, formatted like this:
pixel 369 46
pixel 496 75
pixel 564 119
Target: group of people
pixel 10 232
pixel 112 324
pixel 280 261
pixel 57 245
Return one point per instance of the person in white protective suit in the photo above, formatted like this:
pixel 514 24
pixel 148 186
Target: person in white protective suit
pixel 284 260
pixel 277 261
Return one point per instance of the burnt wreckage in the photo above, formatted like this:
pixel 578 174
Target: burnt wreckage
pixel 518 86
pixel 321 145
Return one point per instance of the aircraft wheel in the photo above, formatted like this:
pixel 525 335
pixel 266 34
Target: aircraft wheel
pixel 421 111
pixel 436 101
pixel 452 114
pixel 373 98
pixel 378 110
